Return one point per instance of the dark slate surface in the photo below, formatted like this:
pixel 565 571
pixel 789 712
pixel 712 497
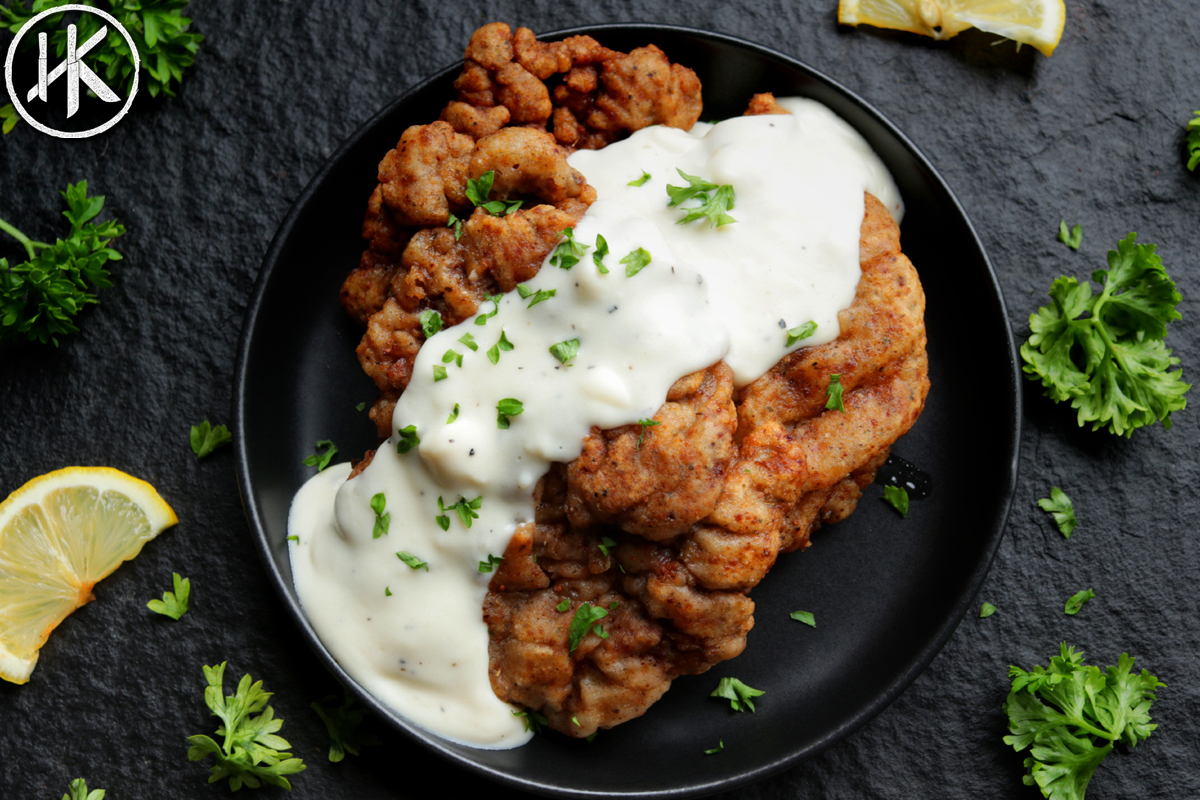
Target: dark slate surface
pixel 1093 134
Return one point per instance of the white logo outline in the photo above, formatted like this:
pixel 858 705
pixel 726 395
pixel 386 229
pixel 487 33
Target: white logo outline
pixel 84 73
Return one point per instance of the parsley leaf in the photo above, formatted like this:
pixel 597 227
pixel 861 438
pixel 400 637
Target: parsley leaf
pixel 568 252
pixel 833 394
pixel 321 460
pixel 713 207
pixel 479 188
pixel 491 563
pixel 504 344
pixel 483 318
pixel 737 693
pixel 455 223
pixel 1076 602
pixel 205 438
pixel 645 423
pixel 439 373
pixel 1072 238
pixel 452 355
pixel 986 610
pixel 78 788
pixel 1059 506
pixel 804 616
pixel 508 407
pixel 407 439
pixel 173 604
pixel 897 498
pixel 40 297
pixel 1193 141
pixel 532 719
pixel 565 351
pixel 1111 365
pixel 585 616
pixel 803 332
pixel 464 508
pixel 251 752
pixel 636 261
pixel 431 322
pixel 8 118
pixel 605 544
pixel 639 181
pixel 361 407
pixel 453 415
pixel 342 724
pixel 601 252
pixel 538 296
pixel 563 606
pixel 1069 716
pixel 469 342
pixel 382 521
pixel 412 561
pixel 720 746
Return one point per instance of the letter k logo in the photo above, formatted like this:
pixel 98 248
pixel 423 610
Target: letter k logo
pixel 75 70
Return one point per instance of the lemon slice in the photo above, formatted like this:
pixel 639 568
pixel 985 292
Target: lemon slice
pixel 1034 22
pixel 60 534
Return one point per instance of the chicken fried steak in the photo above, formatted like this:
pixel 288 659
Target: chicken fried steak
pixel 667 526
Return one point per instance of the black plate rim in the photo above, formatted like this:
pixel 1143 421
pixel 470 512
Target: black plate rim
pixel 430 741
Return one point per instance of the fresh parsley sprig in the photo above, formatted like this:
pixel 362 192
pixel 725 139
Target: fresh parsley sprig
pixel 325 450
pixel 1060 507
pixel 587 617
pixel 78 790
pixel 173 604
pixel 40 298
pixel 568 252
pixel 1072 238
pixel 431 322
pixel 251 753
pixel 1111 365
pixel 503 344
pixel 508 407
pixel 540 296
pixel 464 508
pixel 342 724
pixel 715 200
pixel 204 438
pixel 1193 142
pixel 1069 716
pixel 739 695
pixel 478 190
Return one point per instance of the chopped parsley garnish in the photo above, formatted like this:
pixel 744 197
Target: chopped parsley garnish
pixel 720 746
pixel 412 561
pixel 538 296
pixel 605 544
pixel 382 521
pixel 713 207
pixel 645 423
pixel 321 460
pixel 1072 238
pixel 431 322
pixel 986 610
pixel 508 407
pixel 568 252
pixel 504 344
pixel 387 591
pixel 803 332
pixel 407 440
pixel 173 604
pixel 533 720
pixel 468 341
pixel 452 355
pixel 1111 365
pixel 565 351
pixel 361 407
pixel 453 415
pixel 341 722
pixel 491 563
pixel 483 318
pixel 804 616
pixel 455 223
pixel 636 261
pixel 1193 142
pixel 897 498
pixel 601 252
pixel 833 395
pixel 586 617
pixel 478 191
pixel 1059 506
pixel 639 181
pixel 1076 602
pixel 464 508
pixel 1072 715
pixel 204 438
pixel 295 539
pixel 250 751
pixel 563 606
pixel 737 693
pixel 439 373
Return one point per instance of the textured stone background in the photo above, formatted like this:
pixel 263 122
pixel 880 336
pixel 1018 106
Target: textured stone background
pixel 1093 134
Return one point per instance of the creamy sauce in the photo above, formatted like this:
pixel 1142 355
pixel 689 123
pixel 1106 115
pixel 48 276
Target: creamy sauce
pixel 415 637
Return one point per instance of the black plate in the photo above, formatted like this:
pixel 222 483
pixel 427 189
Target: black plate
pixel 887 592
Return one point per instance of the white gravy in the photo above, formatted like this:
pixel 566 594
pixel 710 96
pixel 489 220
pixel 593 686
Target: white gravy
pixel 415 638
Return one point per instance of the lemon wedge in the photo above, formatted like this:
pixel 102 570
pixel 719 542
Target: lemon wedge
pixel 60 534
pixel 1034 22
